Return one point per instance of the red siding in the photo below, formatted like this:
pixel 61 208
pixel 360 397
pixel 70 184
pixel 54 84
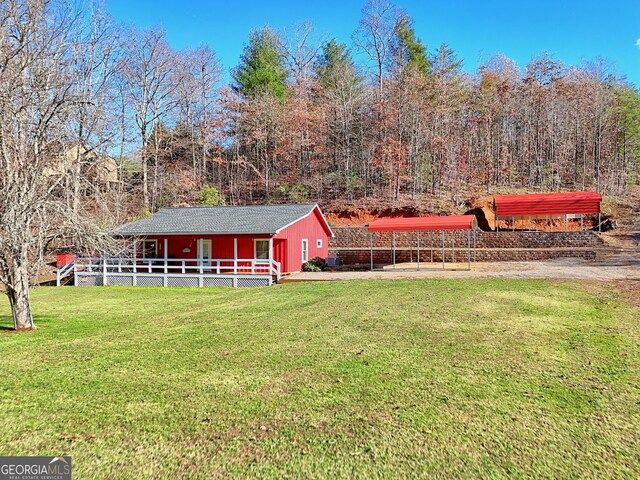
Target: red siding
pixel 280 250
pixel 221 245
pixel 312 228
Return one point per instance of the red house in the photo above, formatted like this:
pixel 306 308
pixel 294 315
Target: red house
pixel 212 246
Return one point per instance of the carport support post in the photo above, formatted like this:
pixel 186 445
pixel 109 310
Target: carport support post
pixel 431 246
pixel 468 249
pixel 393 250
pixel 442 232
pixel 453 248
pixel 418 251
pixel 599 222
pixel 371 249
pixel 475 247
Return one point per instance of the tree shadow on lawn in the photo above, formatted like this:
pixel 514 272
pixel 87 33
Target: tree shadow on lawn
pixel 6 322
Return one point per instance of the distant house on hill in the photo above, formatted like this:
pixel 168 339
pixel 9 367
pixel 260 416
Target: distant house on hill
pixel 213 246
pixel 101 169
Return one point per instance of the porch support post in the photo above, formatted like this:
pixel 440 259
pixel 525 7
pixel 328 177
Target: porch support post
pixel 418 251
pixel 135 255
pixel 442 232
pixel 166 253
pixel 200 249
pixel 235 255
pixel 104 269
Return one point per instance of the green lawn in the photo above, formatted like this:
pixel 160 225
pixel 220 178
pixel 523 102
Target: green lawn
pixel 379 379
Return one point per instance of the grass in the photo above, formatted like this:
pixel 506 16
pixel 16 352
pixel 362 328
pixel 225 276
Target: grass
pixel 444 379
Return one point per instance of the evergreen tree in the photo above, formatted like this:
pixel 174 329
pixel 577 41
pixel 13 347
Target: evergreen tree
pixel 446 63
pixel 335 66
pixel 261 68
pixel 408 52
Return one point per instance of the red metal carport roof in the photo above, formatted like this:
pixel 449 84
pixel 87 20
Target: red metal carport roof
pixel 546 204
pixel 413 224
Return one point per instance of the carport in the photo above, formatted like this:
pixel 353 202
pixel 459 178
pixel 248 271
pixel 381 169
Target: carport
pixel 434 228
pixel 565 206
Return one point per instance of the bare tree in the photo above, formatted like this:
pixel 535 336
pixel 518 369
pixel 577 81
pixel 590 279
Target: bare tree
pixel 96 57
pixel 37 99
pixel 300 50
pixel 196 76
pixel 375 33
pixel 147 73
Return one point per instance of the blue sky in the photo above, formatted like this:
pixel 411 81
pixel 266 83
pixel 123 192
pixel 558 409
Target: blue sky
pixel 571 31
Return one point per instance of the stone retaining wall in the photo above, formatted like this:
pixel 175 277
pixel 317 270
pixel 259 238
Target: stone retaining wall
pixel 351 245
pixel 358 237
pixel 361 256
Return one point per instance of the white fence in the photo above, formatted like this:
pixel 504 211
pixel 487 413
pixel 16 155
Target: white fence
pixel 172 272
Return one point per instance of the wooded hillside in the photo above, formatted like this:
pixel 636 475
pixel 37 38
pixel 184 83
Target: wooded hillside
pixel 301 119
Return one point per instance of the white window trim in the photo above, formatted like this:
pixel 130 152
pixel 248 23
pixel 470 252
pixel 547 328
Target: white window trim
pixel 255 248
pixel 144 247
pixel 319 243
pixel 305 251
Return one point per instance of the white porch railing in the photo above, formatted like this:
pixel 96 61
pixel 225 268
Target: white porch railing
pixel 197 269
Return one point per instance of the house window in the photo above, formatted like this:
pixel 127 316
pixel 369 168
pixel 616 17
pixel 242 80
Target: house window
pixel 319 243
pixel 150 249
pixel 305 250
pixel 261 249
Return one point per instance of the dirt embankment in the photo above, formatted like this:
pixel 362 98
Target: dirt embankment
pixel 364 211
pixel 620 213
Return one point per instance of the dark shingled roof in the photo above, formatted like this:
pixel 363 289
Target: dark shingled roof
pixel 249 219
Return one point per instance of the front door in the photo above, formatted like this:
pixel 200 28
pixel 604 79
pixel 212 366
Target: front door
pixel 205 253
pixel 280 246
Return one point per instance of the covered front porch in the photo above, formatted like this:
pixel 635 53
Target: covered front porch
pixel 169 261
pixel 165 272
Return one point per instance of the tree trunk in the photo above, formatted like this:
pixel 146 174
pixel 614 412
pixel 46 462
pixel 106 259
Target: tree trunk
pixel 145 172
pixel 19 300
